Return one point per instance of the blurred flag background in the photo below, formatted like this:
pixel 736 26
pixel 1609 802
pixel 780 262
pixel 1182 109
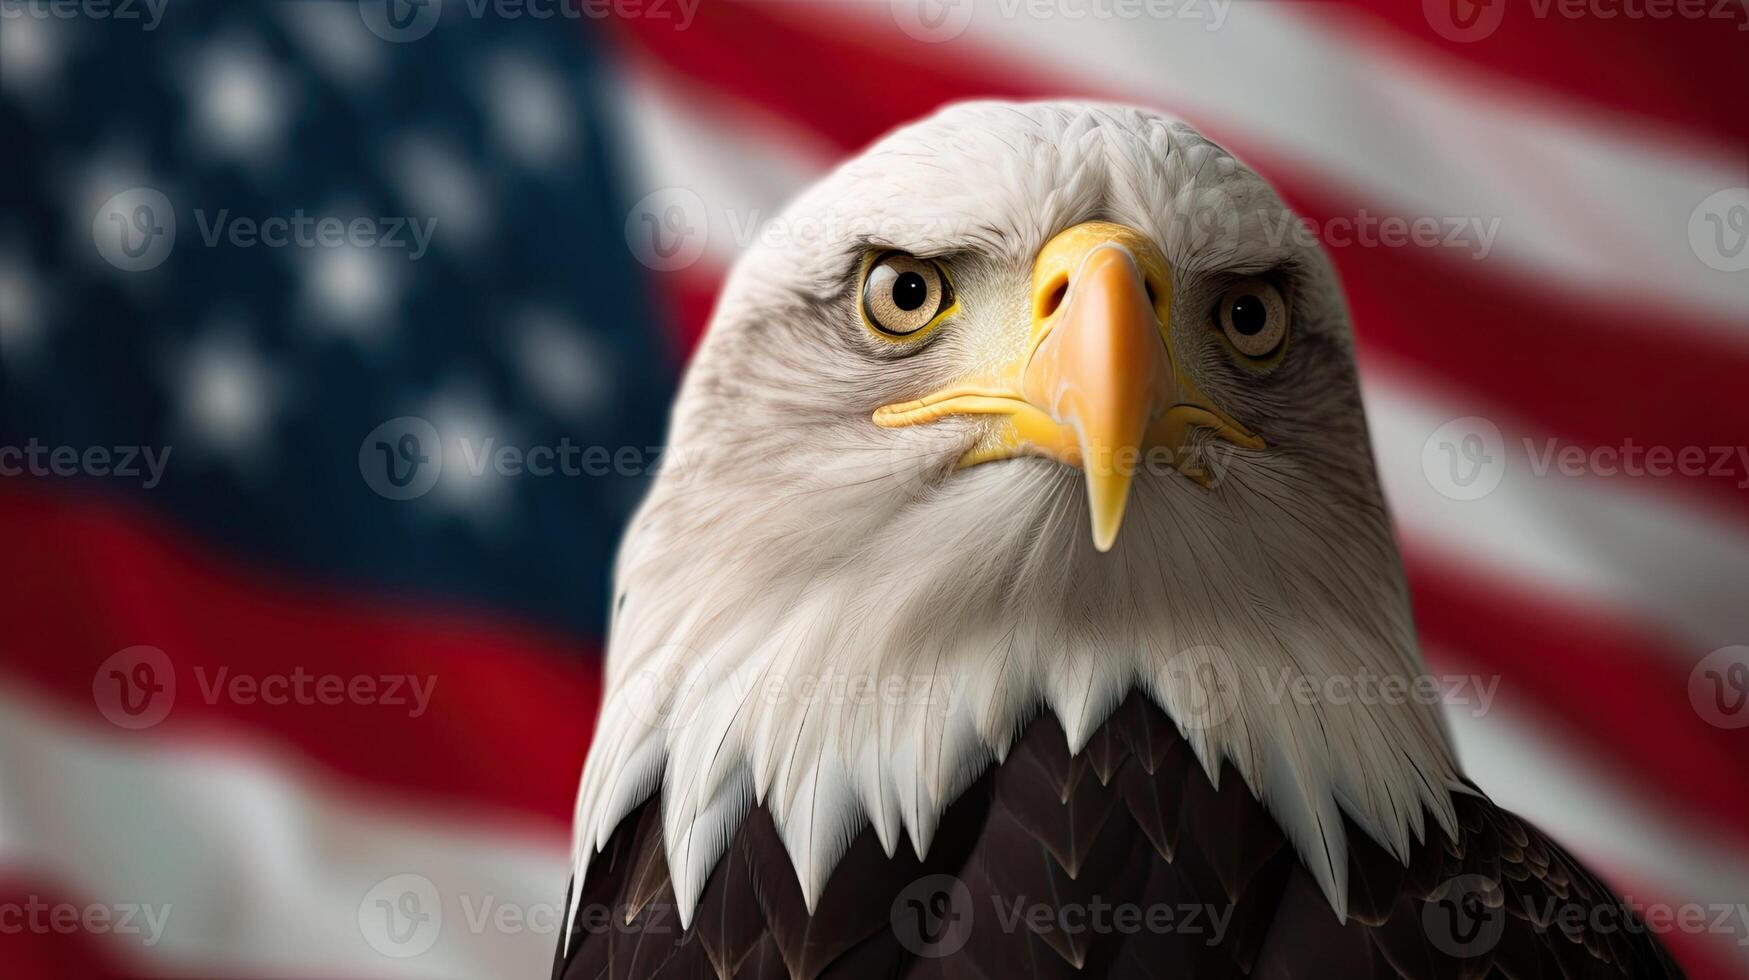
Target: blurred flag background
pixel 297 671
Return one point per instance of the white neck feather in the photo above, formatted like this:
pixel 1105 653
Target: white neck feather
pixel 846 679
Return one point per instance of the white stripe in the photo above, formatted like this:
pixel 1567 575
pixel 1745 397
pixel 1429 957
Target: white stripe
pixel 1618 543
pixel 743 169
pixel 263 869
pixel 1610 826
pixel 1598 206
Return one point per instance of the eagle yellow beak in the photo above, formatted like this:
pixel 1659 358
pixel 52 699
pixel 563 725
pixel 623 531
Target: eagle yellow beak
pixel 1097 386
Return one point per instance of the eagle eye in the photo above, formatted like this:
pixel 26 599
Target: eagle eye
pixel 902 295
pixel 1253 316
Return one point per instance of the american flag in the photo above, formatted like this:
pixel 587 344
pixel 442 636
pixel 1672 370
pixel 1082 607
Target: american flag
pixel 283 693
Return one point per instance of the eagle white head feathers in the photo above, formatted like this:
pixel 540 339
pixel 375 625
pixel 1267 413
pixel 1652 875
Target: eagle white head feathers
pixel 1025 408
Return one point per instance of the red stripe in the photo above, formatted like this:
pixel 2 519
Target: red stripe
pixel 1670 72
pixel 821 69
pixel 510 710
pixel 694 290
pixel 45 935
pixel 1610 683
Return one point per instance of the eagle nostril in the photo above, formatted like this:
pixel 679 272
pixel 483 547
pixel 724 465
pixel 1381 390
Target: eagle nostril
pixel 1053 299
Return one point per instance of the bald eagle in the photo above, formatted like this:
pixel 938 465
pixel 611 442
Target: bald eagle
pixel 995 614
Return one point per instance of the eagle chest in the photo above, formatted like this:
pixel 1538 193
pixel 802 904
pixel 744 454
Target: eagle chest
pixel 1123 861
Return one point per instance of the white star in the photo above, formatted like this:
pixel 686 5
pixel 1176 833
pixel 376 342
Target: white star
pixel 564 368
pixel 351 289
pixel 106 173
pixel 227 395
pixel 333 37
pixel 533 116
pixel 436 180
pixel 31 52
pixel 471 433
pixel 240 104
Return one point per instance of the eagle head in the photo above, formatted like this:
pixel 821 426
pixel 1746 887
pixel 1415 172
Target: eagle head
pixel 1025 408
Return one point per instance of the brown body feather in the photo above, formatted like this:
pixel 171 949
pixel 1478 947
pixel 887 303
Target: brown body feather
pixel 1123 861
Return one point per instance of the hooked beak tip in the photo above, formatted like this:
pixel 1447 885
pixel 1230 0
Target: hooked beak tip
pixel 1105 538
pixel 1108 494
